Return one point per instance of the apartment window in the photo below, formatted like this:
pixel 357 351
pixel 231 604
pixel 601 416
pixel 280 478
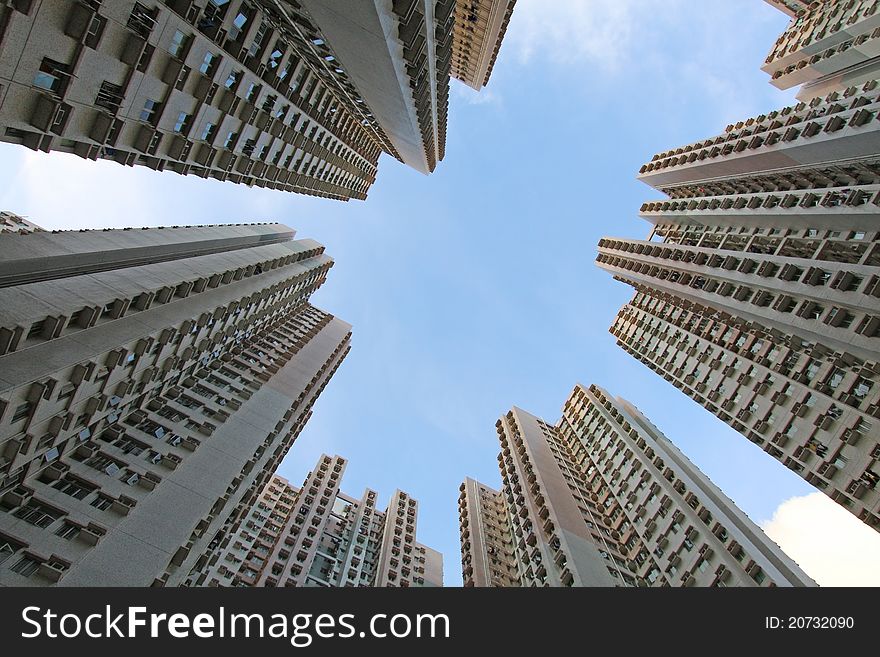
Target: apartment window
pixel 150 111
pixel 8 548
pixel 21 412
pixel 38 514
pixel 283 73
pixel 52 76
pixel 258 39
pixel 238 24
pixel 73 487
pixel 109 97
pixel 230 140
pixel 252 92
pixel 178 43
pixel 233 79
pixel 26 566
pixel 68 531
pixel 862 388
pixel 209 132
pixel 183 122
pixel 269 102
pixel 142 20
pixel 102 502
pixel 276 55
pixel 209 63
pixel 835 379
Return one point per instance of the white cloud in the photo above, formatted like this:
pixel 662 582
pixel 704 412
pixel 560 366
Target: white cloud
pixel 473 97
pixel 834 547
pixel 60 191
pixel 645 40
pixel 570 31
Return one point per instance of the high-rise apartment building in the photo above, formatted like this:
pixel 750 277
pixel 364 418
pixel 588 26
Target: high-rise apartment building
pixel 486 538
pixel 480 26
pixel 790 7
pixel 758 287
pixel 151 380
pixel 603 498
pixel 317 535
pixel 299 96
pixel 828 45
pixel 399 62
pixel 13 223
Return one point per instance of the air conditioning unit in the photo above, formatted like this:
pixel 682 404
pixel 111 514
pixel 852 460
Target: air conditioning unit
pixel 133 479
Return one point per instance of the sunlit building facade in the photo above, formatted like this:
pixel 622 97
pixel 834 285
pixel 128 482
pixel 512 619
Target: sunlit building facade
pixel 13 223
pixel 319 536
pixel 603 498
pixel 295 96
pixel 758 285
pixel 480 26
pixel 829 45
pixel 151 381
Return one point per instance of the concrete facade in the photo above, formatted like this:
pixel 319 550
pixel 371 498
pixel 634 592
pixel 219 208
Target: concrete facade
pixel 486 539
pixel 151 380
pixel 317 535
pixel 790 7
pixel 480 26
pixel 398 56
pixel 828 46
pixel 296 96
pixel 813 409
pixel 13 223
pixel 758 286
pixel 603 498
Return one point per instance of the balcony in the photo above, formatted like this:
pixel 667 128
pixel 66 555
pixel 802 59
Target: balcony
pixel 50 114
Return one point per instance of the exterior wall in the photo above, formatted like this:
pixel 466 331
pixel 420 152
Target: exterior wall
pixel 395 564
pixel 696 535
pixel 757 288
pixel 553 544
pixel 486 538
pixel 480 26
pixel 603 498
pixel 795 147
pixel 240 557
pixel 398 56
pixel 178 384
pixel 790 7
pixel 319 536
pixel 429 567
pixel 832 41
pixel 257 92
pixel 813 409
pixel 822 285
pixel 13 223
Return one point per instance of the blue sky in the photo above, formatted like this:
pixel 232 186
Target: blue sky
pixel 474 289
